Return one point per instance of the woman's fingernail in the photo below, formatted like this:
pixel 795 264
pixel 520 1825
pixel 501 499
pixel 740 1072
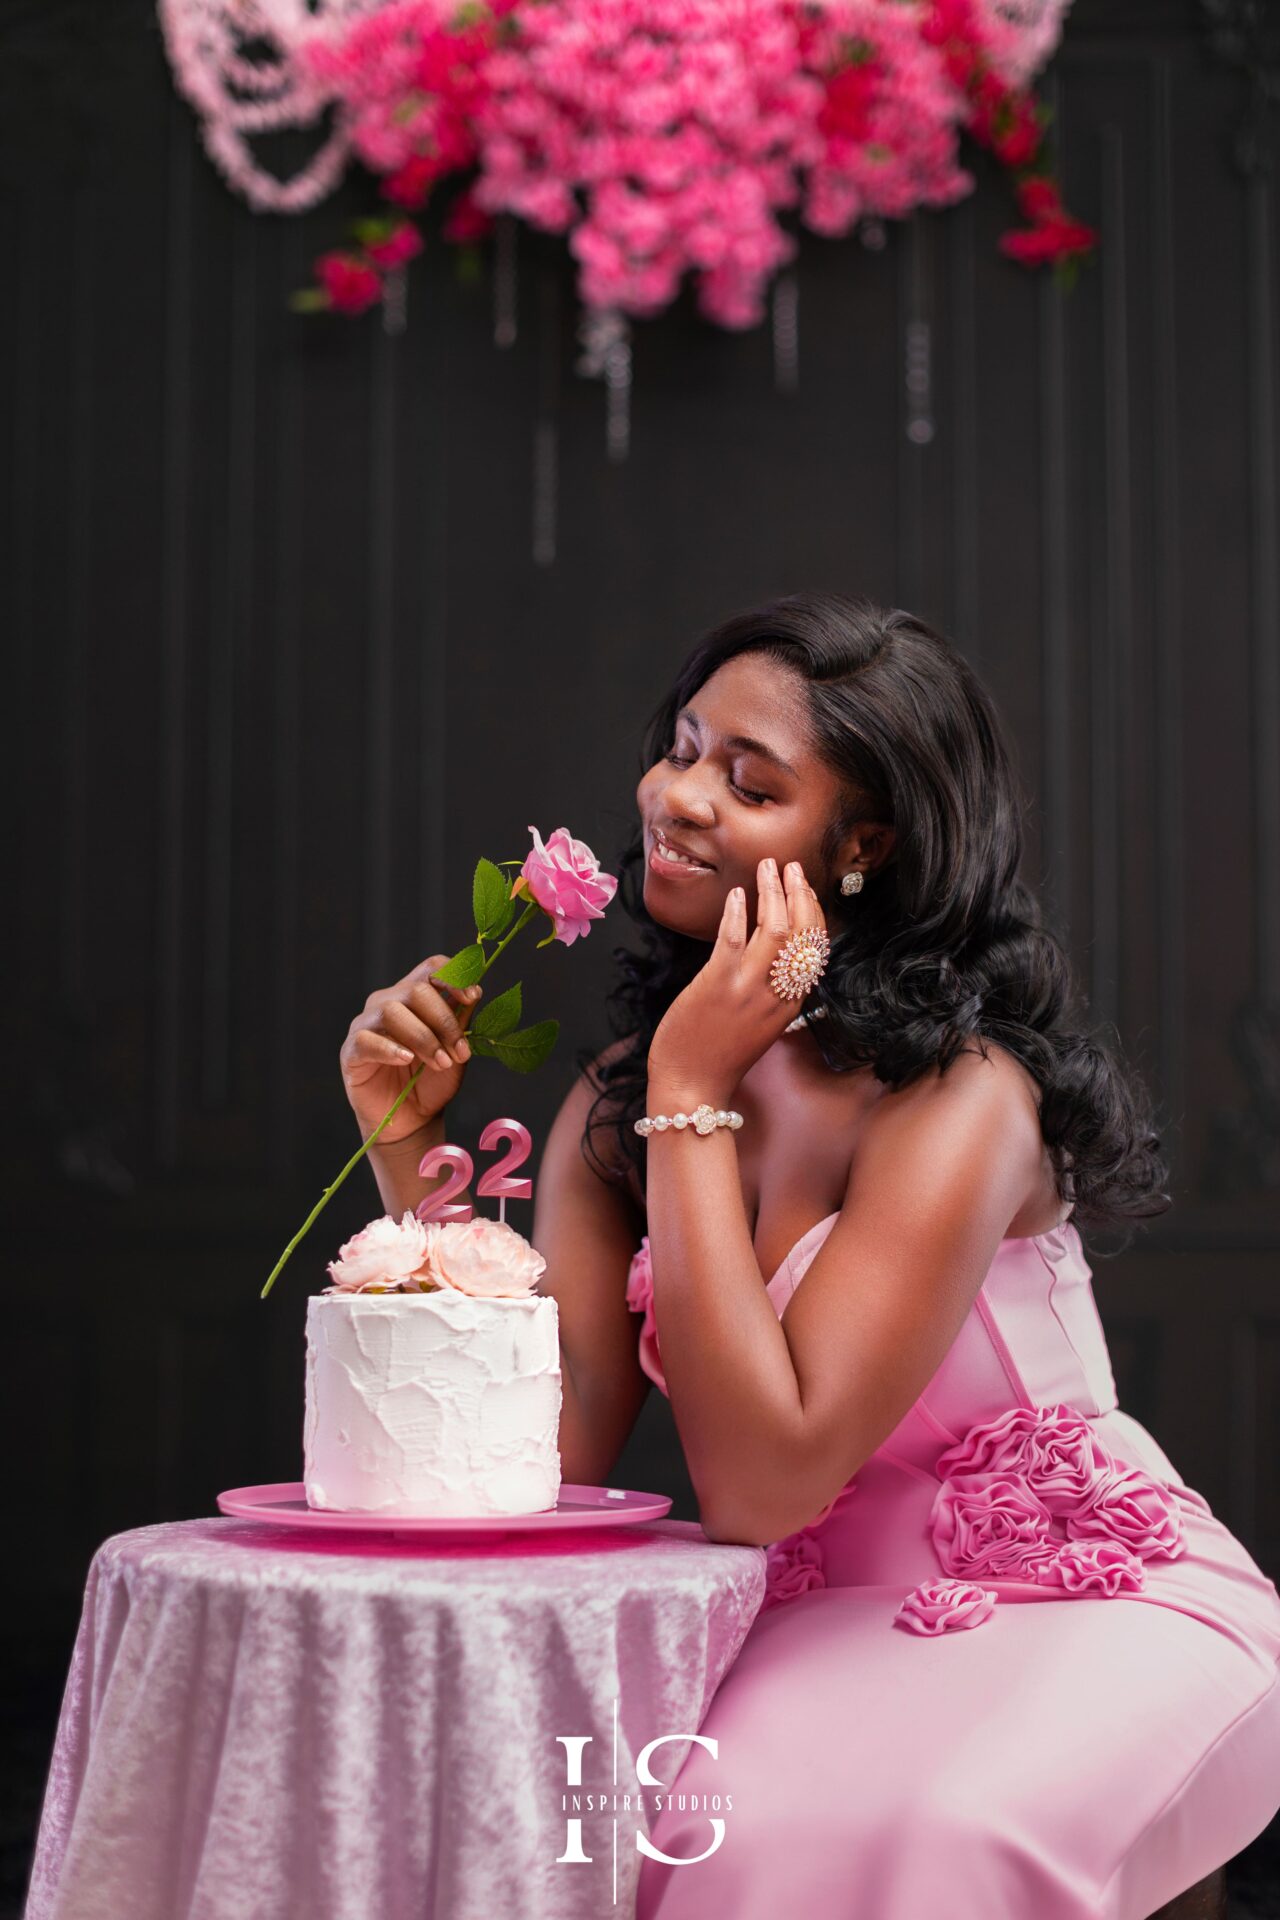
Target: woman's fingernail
pixel 461 1051
pixel 442 1058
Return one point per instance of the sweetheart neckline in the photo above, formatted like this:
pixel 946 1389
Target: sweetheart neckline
pixel 1009 1240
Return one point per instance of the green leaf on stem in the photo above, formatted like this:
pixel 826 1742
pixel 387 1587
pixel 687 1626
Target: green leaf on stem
pixel 374 229
pixel 490 899
pixel 497 1016
pixel 464 969
pixel 527 1049
pixel 550 937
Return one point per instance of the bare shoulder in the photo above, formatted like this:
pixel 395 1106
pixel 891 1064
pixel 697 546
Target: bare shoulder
pixel 981 1115
pixel 984 1078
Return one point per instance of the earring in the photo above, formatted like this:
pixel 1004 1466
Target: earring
pixel 852 882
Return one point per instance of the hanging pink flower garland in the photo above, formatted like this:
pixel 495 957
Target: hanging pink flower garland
pixel 666 138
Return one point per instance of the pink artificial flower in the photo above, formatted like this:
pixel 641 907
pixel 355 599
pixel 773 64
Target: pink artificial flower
pixel 485 1258
pixel 1128 1506
pixel 1038 197
pixel 1093 1566
pixel 942 1606
pixel 1054 1448
pixel 352 285
pixel 1052 240
pixel 401 244
pixel 465 222
pixel 410 185
pixel 990 1526
pixel 565 879
pixel 382 1255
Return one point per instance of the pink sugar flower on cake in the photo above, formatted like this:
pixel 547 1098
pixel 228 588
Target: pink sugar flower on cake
pixel 990 1526
pixel 380 1257
pixel 566 880
pixel 482 1257
pixel 944 1606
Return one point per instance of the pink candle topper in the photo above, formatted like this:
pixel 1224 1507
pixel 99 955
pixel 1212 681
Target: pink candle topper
pixel 439 1206
pixel 497 1179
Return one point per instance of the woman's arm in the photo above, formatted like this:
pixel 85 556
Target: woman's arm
pixel 395 1168
pixel 587 1230
pixel 776 1416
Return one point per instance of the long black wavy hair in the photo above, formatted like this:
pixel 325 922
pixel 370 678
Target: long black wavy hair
pixel 945 941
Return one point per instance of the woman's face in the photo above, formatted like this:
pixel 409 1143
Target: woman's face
pixel 740 783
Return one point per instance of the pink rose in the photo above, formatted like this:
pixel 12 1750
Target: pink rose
pixel 1129 1506
pixel 564 878
pixel 1093 1566
pixel 939 1606
pixel 402 243
pixel 350 284
pixel 380 1256
pixel 792 1566
pixel 485 1258
pixel 1054 1448
pixel 990 1525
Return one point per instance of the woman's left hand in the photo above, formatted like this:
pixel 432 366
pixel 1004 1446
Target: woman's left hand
pixel 729 1014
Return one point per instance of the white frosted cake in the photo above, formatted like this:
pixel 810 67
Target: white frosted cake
pixel 433 1380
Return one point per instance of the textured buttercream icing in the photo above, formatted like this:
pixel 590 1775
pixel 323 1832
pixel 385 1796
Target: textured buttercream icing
pixel 432 1403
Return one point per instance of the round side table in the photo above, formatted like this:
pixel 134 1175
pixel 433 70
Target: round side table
pixel 340 1726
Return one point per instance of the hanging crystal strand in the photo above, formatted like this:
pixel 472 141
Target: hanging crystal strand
pixel 919 383
pixel 604 336
pixel 786 333
pixel 504 281
pixel 546 431
pixel 617 374
pixel 395 301
pixel 872 234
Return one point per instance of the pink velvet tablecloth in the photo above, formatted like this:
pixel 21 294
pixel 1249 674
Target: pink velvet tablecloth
pixel 353 1727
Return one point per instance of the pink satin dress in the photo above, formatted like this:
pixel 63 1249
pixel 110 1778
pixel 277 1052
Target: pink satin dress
pixel 1016 1670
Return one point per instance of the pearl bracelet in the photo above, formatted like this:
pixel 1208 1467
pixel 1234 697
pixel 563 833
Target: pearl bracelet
pixel 703 1119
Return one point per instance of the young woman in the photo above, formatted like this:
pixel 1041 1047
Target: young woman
pixel 1008 1664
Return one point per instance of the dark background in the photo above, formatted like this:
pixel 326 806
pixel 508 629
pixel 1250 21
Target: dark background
pixel 281 662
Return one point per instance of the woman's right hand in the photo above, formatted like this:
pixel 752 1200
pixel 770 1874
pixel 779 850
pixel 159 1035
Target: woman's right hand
pixel 402 1027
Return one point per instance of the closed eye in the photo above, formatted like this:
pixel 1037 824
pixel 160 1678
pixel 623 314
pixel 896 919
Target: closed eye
pixel 756 799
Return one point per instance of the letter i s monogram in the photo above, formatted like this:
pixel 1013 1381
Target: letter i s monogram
pixel 573 1743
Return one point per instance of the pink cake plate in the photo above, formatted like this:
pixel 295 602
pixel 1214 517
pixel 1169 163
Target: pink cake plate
pixel 283 1503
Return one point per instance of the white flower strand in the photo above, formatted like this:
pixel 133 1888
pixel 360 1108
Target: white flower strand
pixel 235 96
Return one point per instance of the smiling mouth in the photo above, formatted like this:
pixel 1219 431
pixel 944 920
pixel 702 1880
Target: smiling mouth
pixel 665 859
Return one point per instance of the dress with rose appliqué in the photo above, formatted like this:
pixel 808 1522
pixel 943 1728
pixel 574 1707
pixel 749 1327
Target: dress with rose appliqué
pixel 1016 1670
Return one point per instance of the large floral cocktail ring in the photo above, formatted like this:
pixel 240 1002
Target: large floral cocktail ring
pixel 799 962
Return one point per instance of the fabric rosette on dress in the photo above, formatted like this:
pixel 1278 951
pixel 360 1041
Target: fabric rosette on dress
pixel 942 1606
pixel 794 1564
pixel 1036 1496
